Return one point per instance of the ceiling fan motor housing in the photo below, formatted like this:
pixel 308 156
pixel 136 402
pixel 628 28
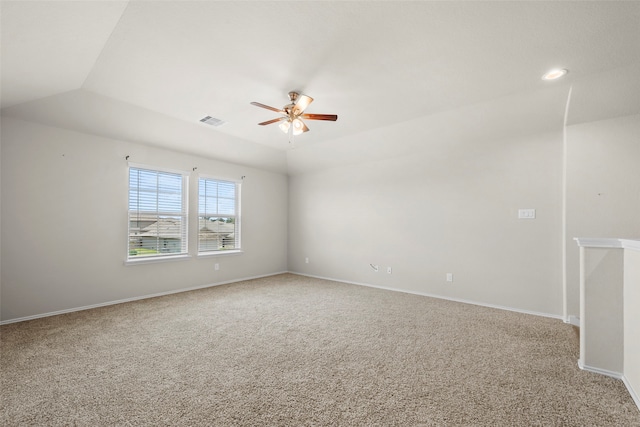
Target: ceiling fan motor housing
pixel 293 96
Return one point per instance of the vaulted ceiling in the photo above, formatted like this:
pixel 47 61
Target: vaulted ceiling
pixel 396 73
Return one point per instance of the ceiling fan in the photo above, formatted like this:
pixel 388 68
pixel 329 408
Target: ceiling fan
pixel 293 114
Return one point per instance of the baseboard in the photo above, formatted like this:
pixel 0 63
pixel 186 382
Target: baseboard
pixel 612 374
pixel 425 294
pixel 160 294
pixel 631 391
pixel 615 375
pixel 464 301
pixel 573 320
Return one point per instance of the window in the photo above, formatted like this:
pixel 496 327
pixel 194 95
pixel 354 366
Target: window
pixel 157 213
pixel 218 215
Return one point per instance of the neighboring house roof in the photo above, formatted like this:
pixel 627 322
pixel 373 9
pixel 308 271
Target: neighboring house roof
pixel 166 228
pixel 212 230
pixel 215 226
pixel 170 228
pixel 142 217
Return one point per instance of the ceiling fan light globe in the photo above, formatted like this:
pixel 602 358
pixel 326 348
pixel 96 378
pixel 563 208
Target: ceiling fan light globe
pixel 298 127
pixel 284 126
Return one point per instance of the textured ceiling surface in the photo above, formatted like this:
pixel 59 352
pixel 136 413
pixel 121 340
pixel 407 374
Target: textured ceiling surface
pixel 149 70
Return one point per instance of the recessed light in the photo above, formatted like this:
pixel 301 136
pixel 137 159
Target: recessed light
pixel 555 74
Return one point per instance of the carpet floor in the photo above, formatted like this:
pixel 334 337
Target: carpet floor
pixel 289 350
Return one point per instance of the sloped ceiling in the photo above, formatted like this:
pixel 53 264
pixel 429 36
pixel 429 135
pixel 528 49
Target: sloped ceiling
pixel 147 71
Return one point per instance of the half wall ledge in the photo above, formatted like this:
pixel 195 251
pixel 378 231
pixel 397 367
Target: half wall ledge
pixel 609 314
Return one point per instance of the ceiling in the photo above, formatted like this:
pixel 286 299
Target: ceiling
pixel 148 71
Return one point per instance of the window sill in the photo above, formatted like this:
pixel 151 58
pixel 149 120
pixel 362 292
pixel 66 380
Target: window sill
pixel 220 253
pixel 153 260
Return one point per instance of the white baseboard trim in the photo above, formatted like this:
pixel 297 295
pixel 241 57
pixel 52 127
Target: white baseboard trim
pixel 612 374
pixel 617 376
pixel 631 391
pixel 104 304
pixel 425 294
pixel 573 320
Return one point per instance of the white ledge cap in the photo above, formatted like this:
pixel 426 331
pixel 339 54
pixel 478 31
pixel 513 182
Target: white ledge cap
pixel 599 242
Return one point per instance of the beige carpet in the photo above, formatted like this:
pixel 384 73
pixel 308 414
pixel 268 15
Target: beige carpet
pixel 290 350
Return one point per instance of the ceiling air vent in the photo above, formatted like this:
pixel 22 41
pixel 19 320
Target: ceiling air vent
pixel 212 121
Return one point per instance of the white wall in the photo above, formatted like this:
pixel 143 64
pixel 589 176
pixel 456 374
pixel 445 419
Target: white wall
pixel 426 215
pixel 452 209
pixel 603 188
pixel 64 222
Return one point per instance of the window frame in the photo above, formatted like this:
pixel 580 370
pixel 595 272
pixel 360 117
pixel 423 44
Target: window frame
pixel 184 214
pixel 238 218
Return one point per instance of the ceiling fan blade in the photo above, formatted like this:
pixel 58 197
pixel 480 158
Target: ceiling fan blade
pixel 268 122
pixel 329 117
pixel 277 110
pixel 302 102
pixel 304 128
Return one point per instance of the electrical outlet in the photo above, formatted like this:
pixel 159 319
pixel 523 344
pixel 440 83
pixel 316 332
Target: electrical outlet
pixel 216 266
pixel 449 277
pixel 306 260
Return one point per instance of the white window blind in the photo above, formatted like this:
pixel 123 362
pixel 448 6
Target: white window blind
pixel 157 213
pixel 218 215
